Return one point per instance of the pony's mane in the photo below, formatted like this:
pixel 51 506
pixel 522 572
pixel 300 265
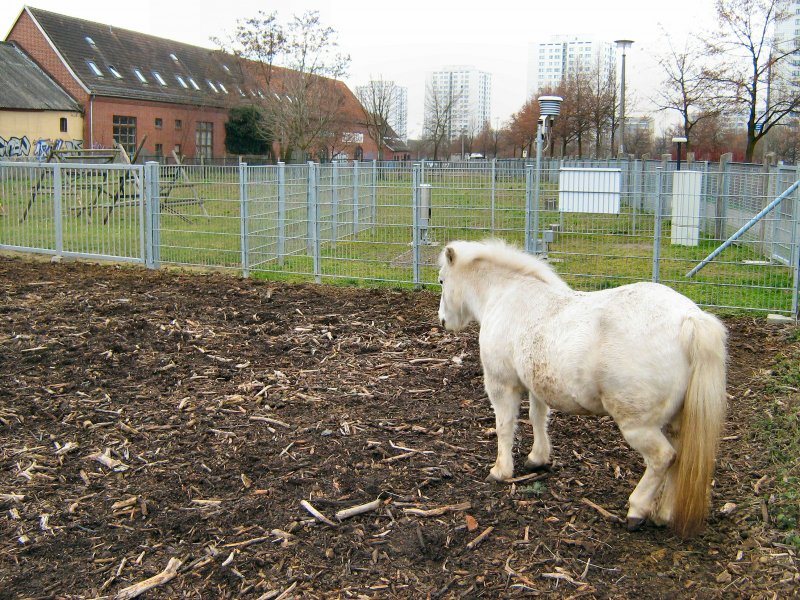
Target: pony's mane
pixel 502 255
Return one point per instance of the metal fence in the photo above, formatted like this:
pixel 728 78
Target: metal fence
pixel 601 223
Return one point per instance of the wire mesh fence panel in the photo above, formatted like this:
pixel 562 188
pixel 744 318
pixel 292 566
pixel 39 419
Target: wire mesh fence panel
pixel 85 211
pixel 27 194
pixel 745 273
pixel 600 223
pixel 199 216
pixel 366 222
pixel 265 217
pixel 599 233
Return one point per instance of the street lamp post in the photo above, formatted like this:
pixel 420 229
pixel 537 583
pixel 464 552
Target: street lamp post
pixel 622 45
pixel 679 141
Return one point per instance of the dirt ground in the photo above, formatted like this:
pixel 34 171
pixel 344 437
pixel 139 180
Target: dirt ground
pixel 174 424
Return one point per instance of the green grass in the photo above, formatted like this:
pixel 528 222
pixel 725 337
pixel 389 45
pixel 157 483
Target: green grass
pixel 779 430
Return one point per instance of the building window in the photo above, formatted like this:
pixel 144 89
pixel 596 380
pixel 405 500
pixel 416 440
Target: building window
pixel 95 69
pixel 159 78
pixel 178 124
pixel 114 72
pixel 181 81
pixel 159 150
pixel 177 150
pixel 212 86
pixel 63 124
pixel 159 123
pixel 124 132
pixel 204 139
pixel 139 76
pixel 194 84
pixel 222 87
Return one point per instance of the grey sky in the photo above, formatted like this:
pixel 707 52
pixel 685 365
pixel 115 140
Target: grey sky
pixel 403 41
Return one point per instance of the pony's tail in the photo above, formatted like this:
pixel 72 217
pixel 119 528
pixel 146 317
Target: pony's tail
pixel 703 337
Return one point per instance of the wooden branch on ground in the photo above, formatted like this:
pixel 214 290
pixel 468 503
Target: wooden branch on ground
pixel 346 513
pixel 435 512
pixel 484 534
pixel 148 584
pixel 608 515
pixel 316 514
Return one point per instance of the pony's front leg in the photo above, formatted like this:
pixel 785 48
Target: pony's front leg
pixel 505 400
pixel 540 452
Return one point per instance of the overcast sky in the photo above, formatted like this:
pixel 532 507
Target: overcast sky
pixel 405 40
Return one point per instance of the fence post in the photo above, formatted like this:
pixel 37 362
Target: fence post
pixel 334 203
pixel 494 193
pixel 243 220
pixel 152 222
pixel 58 210
pixel 723 191
pixel 657 228
pixel 532 181
pixel 374 206
pixel 795 251
pixel 281 212
pixel 416 176
pixel 313 220
pixel 356 193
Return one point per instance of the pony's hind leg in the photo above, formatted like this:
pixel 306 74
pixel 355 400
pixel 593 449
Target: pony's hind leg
pixel 539 456
pixel 658 455
pixel 505 400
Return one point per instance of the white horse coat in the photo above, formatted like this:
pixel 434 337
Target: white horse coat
pixel 641 353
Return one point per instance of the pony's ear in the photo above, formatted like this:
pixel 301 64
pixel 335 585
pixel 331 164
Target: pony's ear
pixel 450 254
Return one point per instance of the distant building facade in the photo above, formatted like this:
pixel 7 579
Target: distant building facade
pixel 551 59
pixel 160 95
pixel 468 94
pixel 36 114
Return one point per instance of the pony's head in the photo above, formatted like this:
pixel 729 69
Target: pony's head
pixel 453 313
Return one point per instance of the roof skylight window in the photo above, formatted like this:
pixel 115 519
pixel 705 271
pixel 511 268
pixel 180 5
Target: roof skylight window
pixel 90 41
pixel 194 84
pixel 212 86
pixel 241 92
pixel 227 70
pixel 114 72
pixel 140 76
pixel 95 69
pixel 173 57
pixel 222 87
pixel 159 78
pixel 181 81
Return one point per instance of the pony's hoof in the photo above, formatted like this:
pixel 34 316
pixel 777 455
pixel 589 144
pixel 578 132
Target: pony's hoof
pixel 494 478
pixel 635 523
pixel 532 467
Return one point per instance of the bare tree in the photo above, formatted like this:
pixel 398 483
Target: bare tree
pixel 438 117
pixel 379 101
pixel 600 104
pixel 749 64
pixel 688 87
pixel 299 65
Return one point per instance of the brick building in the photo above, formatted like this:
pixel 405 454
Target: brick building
pixel 136 88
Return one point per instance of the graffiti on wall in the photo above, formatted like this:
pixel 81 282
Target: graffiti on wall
pixel 16 147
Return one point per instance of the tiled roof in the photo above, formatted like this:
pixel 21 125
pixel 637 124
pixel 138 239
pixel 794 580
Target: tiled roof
pixel 119 53
pixel 33 89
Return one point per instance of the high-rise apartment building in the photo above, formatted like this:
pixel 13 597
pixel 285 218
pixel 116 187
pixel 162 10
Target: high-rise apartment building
pixel 785 76
pixel 551 59
pixel 465 94
pixel 397 103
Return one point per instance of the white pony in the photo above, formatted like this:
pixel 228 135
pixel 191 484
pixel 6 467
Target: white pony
pixel 642 353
